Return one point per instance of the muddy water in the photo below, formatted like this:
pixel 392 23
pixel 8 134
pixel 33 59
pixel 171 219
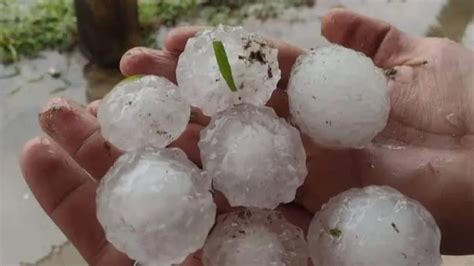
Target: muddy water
pixel 28 236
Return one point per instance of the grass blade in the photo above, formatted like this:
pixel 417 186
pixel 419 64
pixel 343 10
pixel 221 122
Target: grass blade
pixel 223 63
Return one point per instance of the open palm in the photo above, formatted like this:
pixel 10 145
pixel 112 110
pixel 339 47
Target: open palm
pixel 424 151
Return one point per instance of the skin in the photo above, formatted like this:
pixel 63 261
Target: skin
pixel 425 151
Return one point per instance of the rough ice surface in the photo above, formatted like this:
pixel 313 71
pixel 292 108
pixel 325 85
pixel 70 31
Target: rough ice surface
pixel 374 226
pixel 155 206
pixel 144 112
pixel 255 237
pixel 338 97
pixel 255 158
pixel 254 67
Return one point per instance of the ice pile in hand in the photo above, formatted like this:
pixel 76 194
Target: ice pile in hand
pixel 156 206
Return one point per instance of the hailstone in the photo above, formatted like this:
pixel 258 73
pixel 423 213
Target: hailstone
pixel 155 206
pixel 375 225
pixel 255 237
pixel 255 158
pixel 338 97
pixel 144 112
pixel 253 62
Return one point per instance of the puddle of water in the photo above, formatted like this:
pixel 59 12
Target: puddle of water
pixel 28 235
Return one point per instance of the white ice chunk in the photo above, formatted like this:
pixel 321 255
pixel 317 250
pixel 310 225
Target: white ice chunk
pixel 338 97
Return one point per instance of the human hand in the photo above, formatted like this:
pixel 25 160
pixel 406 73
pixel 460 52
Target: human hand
pixel 62 171
pixel 58 170
pixel 425 149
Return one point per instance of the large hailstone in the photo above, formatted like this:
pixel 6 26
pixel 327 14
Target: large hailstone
pixel 254 67
pixel 255 158
pixel 338 97
pixel 374 225
pixel 144 112
pixel 255 237
pixel 155 206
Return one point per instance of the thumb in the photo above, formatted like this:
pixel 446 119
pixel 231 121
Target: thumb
pixel 379 40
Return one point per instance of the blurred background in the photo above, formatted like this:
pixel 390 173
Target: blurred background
pixel 72 48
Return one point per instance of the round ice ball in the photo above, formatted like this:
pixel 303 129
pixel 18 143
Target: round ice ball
pixel 155 206
pixel 253 62
pixel 255 237
pixel 255 158
pixel 374 225
pixel 338 97
pixel 143 112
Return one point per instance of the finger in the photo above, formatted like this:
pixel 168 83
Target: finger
pixel 145 61
pixel 194 259
pixel 67 194
pixel 93 107
pixel 177 38
pixel 386 45
pixel 140 60
pixel 77 131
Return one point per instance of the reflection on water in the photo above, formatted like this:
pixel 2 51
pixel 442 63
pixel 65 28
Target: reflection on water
pixel 27 234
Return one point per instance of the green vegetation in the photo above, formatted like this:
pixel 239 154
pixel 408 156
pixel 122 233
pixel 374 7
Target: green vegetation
pixel 51 23
pixel 223 63
pixel 213 12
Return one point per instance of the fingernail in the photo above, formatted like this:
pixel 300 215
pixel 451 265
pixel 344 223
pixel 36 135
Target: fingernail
pixel 54 105
pixel 44 141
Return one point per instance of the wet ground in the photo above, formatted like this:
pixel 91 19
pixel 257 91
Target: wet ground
pixel 28 237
